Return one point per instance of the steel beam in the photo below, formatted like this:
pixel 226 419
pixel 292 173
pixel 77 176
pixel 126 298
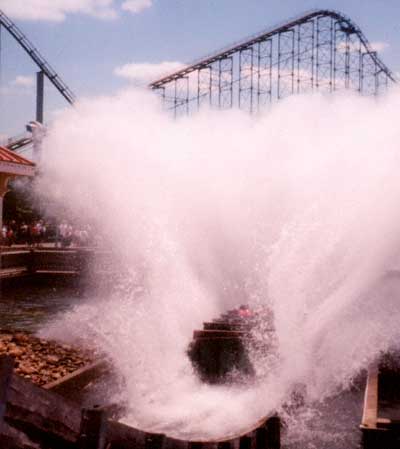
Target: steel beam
pixel 39 96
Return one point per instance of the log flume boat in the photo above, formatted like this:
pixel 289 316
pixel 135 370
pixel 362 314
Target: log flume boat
pixel 52 417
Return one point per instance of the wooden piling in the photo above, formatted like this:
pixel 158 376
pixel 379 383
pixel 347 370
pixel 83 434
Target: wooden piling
pixel 6 369
pixel 261 438
pixel 154 441
pixel 31 262
pixel 245 442
pixel 195 445
pixel 92 433
pixel 273 426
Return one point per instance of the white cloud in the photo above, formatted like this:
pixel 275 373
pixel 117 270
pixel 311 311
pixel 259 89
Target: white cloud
pixel 56 10
pixel 23 81
pixel 354 47
pixel 379 46
pixel 20 85
pixel 136 6
pixel 147 72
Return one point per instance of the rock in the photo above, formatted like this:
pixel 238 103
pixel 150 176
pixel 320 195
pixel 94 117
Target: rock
pixel 52 359
pixel 6 337
pixel 21 338
pixel 26 369
pixel 40 360
pixel 16 352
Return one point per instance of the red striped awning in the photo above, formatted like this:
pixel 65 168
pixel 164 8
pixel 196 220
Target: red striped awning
pixel 14 164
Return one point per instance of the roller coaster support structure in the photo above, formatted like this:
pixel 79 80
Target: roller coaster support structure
pixel 321 51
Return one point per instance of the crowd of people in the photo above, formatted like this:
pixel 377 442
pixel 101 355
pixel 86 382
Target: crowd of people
pixel 68 235
pixel 40 232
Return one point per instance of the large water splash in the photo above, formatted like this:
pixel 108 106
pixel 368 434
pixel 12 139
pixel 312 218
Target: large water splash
pixel 297 208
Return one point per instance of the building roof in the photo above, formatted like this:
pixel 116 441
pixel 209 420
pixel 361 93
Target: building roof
pixel 14 164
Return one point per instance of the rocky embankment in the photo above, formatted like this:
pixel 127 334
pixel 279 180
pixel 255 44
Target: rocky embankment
pixel 41 361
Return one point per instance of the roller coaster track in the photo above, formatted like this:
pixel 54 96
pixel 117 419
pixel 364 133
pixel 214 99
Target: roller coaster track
pixel 39 60
pixel 18 142
pixel 320 49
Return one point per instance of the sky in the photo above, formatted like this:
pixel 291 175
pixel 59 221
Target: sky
pixel 99 47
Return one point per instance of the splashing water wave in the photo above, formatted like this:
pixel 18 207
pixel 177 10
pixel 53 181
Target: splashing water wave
pixel 297 208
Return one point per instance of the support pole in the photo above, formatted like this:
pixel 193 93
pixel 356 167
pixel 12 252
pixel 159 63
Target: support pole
pixel 93 429
pixel 39 96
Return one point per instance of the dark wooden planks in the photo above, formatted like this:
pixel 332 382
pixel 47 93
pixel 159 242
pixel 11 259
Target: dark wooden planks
pixel 71 385
pixel 41 413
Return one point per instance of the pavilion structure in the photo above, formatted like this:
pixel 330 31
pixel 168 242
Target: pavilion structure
pixel 12 165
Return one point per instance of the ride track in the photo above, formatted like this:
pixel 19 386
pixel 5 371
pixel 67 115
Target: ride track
pixel 39 60
pixel 322 50
pixel 45 68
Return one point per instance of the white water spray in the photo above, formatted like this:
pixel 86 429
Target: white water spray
pixel 298 208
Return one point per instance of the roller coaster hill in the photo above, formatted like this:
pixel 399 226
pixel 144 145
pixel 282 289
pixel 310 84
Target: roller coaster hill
pixel 321 50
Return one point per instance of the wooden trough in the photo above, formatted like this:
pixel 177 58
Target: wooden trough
pixel 380 423
pixel 55 416
pixel 32 417
pixel 72 385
